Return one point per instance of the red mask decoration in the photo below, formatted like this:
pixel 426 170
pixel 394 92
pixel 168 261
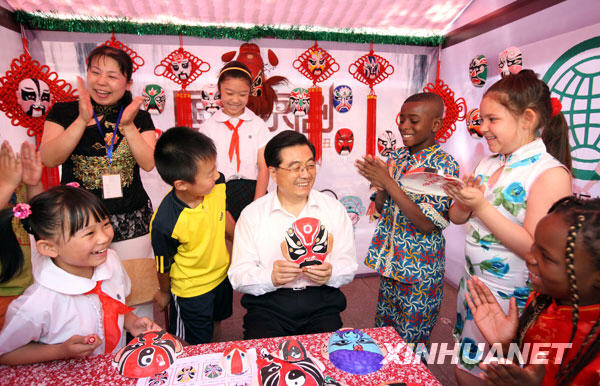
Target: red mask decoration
pixel 292 350
pixel 307 242
pixel 344 141
pixel 147 354
pixel 235 360
pixel 262 94
pixel 275 371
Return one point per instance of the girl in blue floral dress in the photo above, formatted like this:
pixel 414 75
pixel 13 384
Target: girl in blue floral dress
pixel 506 197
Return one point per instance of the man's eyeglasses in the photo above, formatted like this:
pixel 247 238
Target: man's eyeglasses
pixel 310 167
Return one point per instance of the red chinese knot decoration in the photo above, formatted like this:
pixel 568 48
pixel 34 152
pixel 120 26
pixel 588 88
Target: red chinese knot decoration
pixel 136 60
pixel 182 67
pixel 371 69
pixel 317 65
pixel 454 109
pixel 25 69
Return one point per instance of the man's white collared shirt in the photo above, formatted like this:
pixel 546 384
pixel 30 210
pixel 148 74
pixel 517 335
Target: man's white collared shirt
pixel 261 229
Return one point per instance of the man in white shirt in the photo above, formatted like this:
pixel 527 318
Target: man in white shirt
pixel 283 297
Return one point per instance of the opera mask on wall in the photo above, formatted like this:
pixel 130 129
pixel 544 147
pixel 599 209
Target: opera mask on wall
pixel 342 99
pixel 299 101
pixel 510 61
pixel 33 96
pixel 154 99
pixel 478 70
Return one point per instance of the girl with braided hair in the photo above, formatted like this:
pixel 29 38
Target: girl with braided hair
pixel 564 269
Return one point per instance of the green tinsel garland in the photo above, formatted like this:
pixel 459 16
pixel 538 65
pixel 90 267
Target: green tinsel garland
pixel 102 25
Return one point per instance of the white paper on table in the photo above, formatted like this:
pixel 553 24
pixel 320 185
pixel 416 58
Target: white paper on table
pixel 201 370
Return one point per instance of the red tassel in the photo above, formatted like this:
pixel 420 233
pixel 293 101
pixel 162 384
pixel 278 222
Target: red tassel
pixel 371 123
pixel 50 177
pixel 315 120
pixel 183 109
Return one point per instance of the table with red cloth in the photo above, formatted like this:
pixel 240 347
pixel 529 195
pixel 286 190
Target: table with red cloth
pixel 98 370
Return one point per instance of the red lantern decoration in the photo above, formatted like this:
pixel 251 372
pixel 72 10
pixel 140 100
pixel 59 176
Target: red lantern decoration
pixel 22 69
pixel 371 69
pixel 317 65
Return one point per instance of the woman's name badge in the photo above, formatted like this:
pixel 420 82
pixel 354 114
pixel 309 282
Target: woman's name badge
pixel 111 184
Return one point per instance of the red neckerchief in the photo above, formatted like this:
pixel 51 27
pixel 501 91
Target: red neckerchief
pixel 111 309
pixel 234 145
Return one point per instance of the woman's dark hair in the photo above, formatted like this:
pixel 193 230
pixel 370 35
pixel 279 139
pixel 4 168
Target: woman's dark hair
pixel 235 70
pixel 286 138
pixel 58 212
pixel 518 92
pixel 583 217
pixel 119 56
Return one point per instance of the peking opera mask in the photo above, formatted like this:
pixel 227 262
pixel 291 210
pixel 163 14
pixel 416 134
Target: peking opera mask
pixel 371 68
pixel 299 102
pixel 478 70
pixel 510 61
pixel 386 143
pixel 474 123
pixel 344 141
pixel 147 354
pixel 181 67
pixel 33 95
pixel 211 98
pixel 354 351
pixel 342 98
pixel 307 242
pixel 154 99
pixel 316 63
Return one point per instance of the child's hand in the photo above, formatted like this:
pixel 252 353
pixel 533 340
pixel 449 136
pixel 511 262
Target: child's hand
pixel 79 346
pixel 374 170
pixel 318 274
pixel 11 168
pixel 508 374
pixel 494 324
pixel 163 299
pixel 86 110
pixel 284 272
pixel 138 325
pixel 32 164
pixel 469 196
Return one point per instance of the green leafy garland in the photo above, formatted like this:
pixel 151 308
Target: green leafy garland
pixel 51 22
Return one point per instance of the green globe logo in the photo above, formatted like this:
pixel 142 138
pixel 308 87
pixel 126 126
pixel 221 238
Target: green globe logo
pixel 575 79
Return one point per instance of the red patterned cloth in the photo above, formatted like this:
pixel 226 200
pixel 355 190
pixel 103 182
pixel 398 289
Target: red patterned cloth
pixel 554 325
pixel 99 371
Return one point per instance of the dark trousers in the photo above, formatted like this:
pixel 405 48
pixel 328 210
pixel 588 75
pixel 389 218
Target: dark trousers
pixel 293 312
pixel 192 319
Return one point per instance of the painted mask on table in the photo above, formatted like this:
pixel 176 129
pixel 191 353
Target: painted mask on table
pixel 33 95
pixel 299 101
pixel 342 99
pixel 235 360
pixel 510 61
pixel 147 354
pixel 354 351
pixel 154 99
pixel 478 70
pixel 344 141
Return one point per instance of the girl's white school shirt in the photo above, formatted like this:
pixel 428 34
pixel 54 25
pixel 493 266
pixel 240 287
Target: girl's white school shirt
pixel 54 307
pixel 254 134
